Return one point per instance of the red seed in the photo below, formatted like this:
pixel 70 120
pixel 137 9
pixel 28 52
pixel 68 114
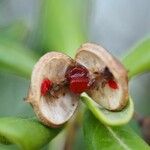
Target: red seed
pixel 76 72
pixel 45 86
pixel 78 79
pixel 112 84
pixel 79 85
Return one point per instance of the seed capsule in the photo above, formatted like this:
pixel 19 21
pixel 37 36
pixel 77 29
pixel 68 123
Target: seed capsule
pixel 57 106
pixel 111 82
pixel 57 81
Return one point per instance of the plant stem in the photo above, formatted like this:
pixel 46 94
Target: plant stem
pixel 72 129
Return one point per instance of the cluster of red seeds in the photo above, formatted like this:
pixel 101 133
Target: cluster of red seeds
pixel 78 79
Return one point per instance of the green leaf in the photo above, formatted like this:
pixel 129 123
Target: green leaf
pixel 16 58
pixel 63 25
pixel 27 134
pixel 16 31
pixel 102 137
pixel 12 91
pixel 138 60
pixel 112 118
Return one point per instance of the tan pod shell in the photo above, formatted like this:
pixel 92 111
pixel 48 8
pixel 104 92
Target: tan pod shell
pixel 95 58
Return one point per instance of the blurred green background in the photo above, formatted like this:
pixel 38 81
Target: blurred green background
pixel 30 28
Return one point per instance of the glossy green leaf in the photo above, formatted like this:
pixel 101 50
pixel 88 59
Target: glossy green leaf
pixel 138 60
pixel 102 137
pixel 62 25
pixel 112 118
pixel 27 134
pixel 15 58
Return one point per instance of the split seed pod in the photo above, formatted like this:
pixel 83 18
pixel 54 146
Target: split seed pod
pixel 57 81
pixel 110 88
pixel 52 101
